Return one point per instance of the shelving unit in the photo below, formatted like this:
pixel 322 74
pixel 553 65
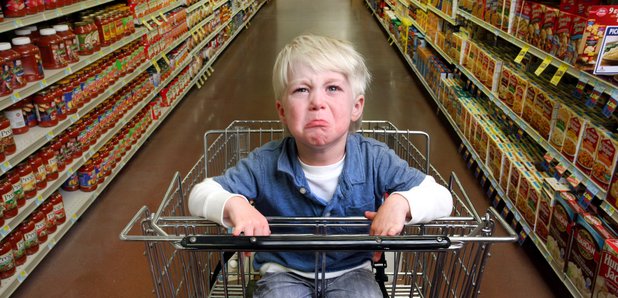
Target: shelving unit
pixel 76 203
pixel 450 19
pixel 480 162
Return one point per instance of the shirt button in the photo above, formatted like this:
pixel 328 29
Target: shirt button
pixel 327 213
pixel 302 190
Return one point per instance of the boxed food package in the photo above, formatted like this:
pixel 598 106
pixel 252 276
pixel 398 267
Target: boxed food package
pixel 562 218
pixel 509 158
pixel 528 108
pixel 589 235
pixel 562 36
pixel 478 8
pixel 504 93
pixel 558 132
pixel 588 148
pixel 547 114
pixel 578 27
pixel 583 6
pixel 569 6
pixel 606 284
pixel 478 69
pixel 523 17
pixel 599 17
pixel 527 196
pixel 494 156
pixel 471 56
pixel 552 189
pixel 605 160
pixel 515 173
pixel 548 28
pixel 536 21
pixel 573 136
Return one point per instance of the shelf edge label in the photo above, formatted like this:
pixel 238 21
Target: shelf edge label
pixel 543 65
pixel 522 54
pixel 559 73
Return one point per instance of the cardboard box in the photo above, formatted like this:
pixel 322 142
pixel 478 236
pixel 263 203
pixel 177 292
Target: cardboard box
pixel 562 36
pixel 589 235
pixel 573 136
pixel 558 132
pixel 548 28
pixel 578 27
pixel 588 148
pixel 564 213
pixel 509 159
pixel 523 17
pixel 515 174
pixel 607 62
pixel 605 160
pixel 606 283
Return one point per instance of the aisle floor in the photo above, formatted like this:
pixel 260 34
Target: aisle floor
pixel 91 261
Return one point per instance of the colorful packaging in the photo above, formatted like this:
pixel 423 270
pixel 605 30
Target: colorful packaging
pixel 588 148
pixel 605 160
pixel 548 28
pixel 536 22
pixel 523 17
pixel 558 132
pixel 562 218
pixel 578 27
pixel 589 235
pixel 562 37
pixel 573 136
pixel 606 284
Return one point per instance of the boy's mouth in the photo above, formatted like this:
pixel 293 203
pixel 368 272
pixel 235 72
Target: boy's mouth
pixel 316 123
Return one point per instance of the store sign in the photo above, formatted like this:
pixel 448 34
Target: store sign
pixel 607 63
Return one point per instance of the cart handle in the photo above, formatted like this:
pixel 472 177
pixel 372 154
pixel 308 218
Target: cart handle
pixel 316 243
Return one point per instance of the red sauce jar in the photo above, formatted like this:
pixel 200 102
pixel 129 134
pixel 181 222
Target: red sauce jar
pixel 28 180
pixel 58 208
pixel 31 241
pixel 48 155
pixel 27 107
pixel 72 183
pixel 87 177
pixel 8 199
pixel 6 136
pixel 70 42
pixel 58 98
pixel 66 150
pixel 30 59
pixel 97 161
pixel 45 107
pixel 40 225
pixel 51 4
pixel 16 117
pixel 18 190
pixel 53 49
pixel 67 96
pixel 18 244
pixel 94 34
pixel 7 261
pixel 14 65
pixel 36 163
pixel 34 33
pixel 50 217
pixel 85 44
pixel 14 9
pixel 56 147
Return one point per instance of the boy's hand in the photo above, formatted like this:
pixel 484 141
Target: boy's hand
pixel 245 218
pixel 389 219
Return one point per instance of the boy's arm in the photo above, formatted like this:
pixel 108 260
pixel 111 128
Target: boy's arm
pixel 210 200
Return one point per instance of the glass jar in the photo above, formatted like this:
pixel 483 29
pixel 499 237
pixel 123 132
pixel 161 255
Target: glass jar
pixel 16 117
pixel 7 261
pixel 70 42
pixel 72 183
pixel 87 177
pixel 48 155
pixel 31 241
pixel 27 107
pixel 6 136
pixel 53 49
pixel 13 9
pixel 40 225
pixel 58 98
pixel 38 168
pixel 50 217
pixel 19 247
pixel 45 107
pixel 8 199
pixel 58 208
pixel 28 181
pixel 30 59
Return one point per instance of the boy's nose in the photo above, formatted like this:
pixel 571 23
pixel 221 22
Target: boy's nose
pixel 317 101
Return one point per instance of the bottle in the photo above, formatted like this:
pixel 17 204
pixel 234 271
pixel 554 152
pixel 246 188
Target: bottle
pixel 50 161
pixel 28 181
pixel 72 183
pixel 70 42
pixel 40 225
pixel 6 136
pixel 27 107
pixel 13 9
pixel 8 199
pixel 31 240
pixel 30 59
pixel 58 208
pixel 19 247
pixel 58 97
pixel 45 108
pixel 36 163
pixel 13 61
pixel 7 261
pixel 16 117
pixel 53 50
pixel 87 177
pixel 50 216
pixel 13 177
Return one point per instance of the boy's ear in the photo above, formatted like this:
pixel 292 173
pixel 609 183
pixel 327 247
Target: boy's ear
pixel 357 109
pixel 280 111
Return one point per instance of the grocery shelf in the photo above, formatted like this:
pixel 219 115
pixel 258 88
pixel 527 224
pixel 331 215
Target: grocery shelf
pixel 161 11
pixel 572 70
pixel 443 15
pixel 418 26
pixel 201 24
pixel 53 76
pixel 15 23
pixel 487 173
pixel 441 52
pixel 590 185
pixel 418 4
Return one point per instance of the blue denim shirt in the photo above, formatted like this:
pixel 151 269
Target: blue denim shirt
pixel 272 176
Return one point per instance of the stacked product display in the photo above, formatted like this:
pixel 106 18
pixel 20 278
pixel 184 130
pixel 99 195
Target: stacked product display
pixel 530 88
pixel 80 93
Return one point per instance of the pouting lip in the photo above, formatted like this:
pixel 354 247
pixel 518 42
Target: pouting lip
pixel 316 123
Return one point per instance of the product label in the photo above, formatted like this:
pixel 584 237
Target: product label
pixel 59 210
pixel 45 113
pixel 58 52
pixel 51 220
pixel 16 117
pixel 28 182
pixel 21 249
pixel 6 261
pixel 41 228
pixel 18 190
pixel 31 239
pixel 52 165
pixel 6 132
pixel 9 201
pixel 87 179
pixel 41 173
pixel 68 99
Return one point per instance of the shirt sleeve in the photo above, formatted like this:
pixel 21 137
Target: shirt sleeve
pixel 208 199
pixel 428 201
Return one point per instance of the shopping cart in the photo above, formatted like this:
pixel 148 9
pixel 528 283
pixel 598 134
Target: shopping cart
pixel 193 257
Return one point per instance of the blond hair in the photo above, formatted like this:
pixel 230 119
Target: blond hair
pixel 320 54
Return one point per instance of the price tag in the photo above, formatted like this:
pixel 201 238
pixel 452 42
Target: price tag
pixel 593 189
pixel 156 65
pixel 154 19
pixel 195 38
pixel 594 97
pixel 559 73
pixel 147 25
pixel 611 104
pixel 73 218
pixel 167 60
pixel 19 23
pixel 70 171
pixel 522 54
pixel 22 276
pixel 5 230
pixel 50 135
pixel 581 84
pixel 543 65
pixel 39 200
pixel 51 243
pixel 163 17
pixel 608 208
pixel 43 83
pixel 5 166
pixel 16 95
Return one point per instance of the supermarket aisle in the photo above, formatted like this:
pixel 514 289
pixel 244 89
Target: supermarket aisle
pixel 91 261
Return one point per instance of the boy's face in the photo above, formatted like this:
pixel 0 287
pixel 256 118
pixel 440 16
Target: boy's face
pixel 317 107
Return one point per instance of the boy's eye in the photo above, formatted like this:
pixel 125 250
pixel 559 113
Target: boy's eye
pixel 333 88
pixel 300 89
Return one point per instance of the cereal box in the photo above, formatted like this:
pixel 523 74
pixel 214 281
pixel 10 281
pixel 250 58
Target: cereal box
pixel 494 156
pixel 560 42
pixel 504 93
pixel 572 138
pixel 515 173
pixel 589 235
pixel 606 284
pixel 562 218
pixel 605 160
pixel 536 20
pixel 578 27
pixel 509 158
pixel 588 148
pixel 548 28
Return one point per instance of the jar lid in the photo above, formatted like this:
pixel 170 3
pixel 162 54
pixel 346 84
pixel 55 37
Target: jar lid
pixel 32 28
pixel 48 31
pixel 22 32
pixel 61 28
pixel 5 46
pixel 80 24
pixel 20 41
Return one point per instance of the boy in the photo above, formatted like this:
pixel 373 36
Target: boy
pixel 322 169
